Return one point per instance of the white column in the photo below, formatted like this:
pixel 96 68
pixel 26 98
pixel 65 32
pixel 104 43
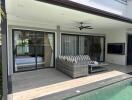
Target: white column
pixel 58 41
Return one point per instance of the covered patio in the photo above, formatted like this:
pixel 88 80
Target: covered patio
pixel 65 24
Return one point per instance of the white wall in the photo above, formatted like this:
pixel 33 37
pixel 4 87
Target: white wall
pixel 116 36
pixel 110 6
pixel 128 12
pixel 57 41
pixel 112 36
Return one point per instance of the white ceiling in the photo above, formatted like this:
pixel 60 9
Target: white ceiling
pixel 43 14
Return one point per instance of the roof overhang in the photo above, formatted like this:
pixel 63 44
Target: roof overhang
pixel 87 9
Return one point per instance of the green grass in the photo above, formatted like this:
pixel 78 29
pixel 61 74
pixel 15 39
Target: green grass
pixel 0 81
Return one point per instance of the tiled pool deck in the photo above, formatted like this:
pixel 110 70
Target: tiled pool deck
pixel 49 84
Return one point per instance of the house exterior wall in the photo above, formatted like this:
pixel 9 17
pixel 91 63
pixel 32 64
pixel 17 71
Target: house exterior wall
pixel 116 36
pixel 112 36
pixel 10 52
pixel 112 6
pixel 57 40
pixel 128 12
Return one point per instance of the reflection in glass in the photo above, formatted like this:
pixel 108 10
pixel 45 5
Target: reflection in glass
pixel 33 50
pixel 69 45
pixel 83 45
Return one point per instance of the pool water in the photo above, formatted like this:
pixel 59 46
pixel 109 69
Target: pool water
pixel 118 91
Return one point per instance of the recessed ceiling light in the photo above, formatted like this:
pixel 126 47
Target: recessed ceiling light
pixel 78 91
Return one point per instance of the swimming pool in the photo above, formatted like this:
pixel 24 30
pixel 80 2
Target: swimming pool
pixel 117 91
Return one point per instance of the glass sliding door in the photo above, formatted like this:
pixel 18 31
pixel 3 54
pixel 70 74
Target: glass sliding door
pixel 24 51
pixel 92 46
pixel 49 49
pixel 69 45
pixel 97 48
pixel 45 50
pixel 84 45
pixel 32 50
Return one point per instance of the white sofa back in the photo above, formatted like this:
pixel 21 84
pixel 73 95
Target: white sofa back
pixel 75 59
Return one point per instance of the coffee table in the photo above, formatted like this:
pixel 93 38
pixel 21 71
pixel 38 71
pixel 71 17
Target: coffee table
pixel 97 67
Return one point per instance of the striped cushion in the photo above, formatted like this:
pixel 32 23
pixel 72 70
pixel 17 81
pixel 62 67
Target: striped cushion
pixel 76 59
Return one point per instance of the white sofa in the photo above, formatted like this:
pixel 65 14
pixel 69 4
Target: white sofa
pixel 74 66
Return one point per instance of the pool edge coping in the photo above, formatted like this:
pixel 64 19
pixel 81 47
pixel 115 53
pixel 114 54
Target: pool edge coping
pixel 85 88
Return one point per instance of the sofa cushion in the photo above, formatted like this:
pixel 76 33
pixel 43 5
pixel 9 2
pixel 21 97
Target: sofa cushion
pixel 76 59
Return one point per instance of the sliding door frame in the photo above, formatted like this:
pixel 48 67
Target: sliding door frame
pixel 13 34
pixel 103 36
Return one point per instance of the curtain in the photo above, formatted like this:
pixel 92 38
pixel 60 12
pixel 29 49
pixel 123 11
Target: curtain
pixel 50 38
pixel 88 45
pixel 97 48
pixel 48 49
pixel 83 45
pixel 69 45
pixel 102 49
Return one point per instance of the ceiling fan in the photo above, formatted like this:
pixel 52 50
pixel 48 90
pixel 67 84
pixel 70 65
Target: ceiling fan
pixel 84 27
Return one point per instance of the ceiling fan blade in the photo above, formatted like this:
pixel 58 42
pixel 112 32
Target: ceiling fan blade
pixel 90 28
pixel 86 26
pixel 80 28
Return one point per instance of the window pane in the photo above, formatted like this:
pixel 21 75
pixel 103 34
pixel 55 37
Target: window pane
pixel 33 50
pixel 69 45
pixel 83 45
